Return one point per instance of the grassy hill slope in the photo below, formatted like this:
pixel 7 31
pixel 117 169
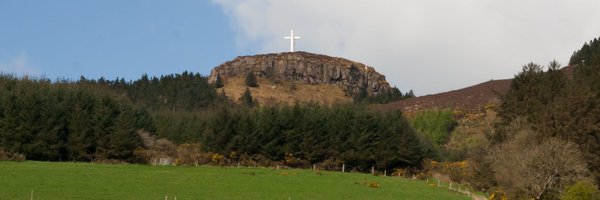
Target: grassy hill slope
pixel 101 181
pixel 270 92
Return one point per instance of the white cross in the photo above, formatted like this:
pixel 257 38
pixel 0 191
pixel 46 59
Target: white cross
pixel 292 38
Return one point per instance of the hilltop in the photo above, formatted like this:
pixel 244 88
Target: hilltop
pixel 300 76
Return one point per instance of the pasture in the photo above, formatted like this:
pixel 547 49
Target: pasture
pixel 67 180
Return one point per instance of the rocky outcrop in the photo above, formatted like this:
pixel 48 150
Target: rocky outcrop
pixel 308 68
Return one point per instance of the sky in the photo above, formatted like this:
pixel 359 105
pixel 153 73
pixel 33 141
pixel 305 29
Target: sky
pixel 428 46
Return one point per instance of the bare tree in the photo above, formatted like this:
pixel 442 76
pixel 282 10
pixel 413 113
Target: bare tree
pixel 527 166
pixel 154 149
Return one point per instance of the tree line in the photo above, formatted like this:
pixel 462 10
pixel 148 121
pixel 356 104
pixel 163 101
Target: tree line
pixel 67 121
pixel 187 91
pixel 88 120
pixel 311 133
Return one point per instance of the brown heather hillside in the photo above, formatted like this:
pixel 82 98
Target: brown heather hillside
pixel 469 98
pixel 474 98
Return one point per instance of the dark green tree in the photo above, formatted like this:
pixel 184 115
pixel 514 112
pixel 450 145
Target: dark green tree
pixel 251 79
pixel 80 139
pixel 125 138
pixel 247 98
pixel 219 81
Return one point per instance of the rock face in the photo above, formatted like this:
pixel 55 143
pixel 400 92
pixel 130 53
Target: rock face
pixel 308 68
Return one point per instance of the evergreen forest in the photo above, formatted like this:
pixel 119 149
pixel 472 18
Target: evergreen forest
pixel 93 120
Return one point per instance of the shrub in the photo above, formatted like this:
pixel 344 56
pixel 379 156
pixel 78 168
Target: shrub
pixel 582 190
pixel 217 160
pixel 292 161
pixel 459 172
pixel 154 149
pixel 521 163
pixel 190 154
pixel 374 185
pixel 332 164
pixel 11 156
pixel 255 160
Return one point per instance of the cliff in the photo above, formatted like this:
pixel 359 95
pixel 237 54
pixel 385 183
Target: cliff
pixel 306 68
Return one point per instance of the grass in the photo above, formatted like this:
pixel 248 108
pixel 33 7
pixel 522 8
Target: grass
pixel 270 92
pixel 102 181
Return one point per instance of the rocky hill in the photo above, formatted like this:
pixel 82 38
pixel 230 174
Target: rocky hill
pixel 300 76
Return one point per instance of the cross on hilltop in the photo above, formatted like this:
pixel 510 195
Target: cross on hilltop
pixel 291 38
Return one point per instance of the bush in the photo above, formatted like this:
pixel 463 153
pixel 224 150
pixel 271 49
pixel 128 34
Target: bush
pixel 256 160
pixel 460 172
pixel 292 161
pixel 190 154
pixel 521 163
pixel 582 190
pixel 332 164
pixel 11 156
pixel 154 149
pixel 217 159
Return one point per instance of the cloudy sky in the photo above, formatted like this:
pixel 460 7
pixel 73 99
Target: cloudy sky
pixel 426 45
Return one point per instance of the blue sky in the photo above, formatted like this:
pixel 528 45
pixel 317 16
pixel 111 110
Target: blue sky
pixel 113 38
pixel 428 46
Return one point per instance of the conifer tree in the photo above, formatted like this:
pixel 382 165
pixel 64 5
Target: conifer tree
pixel 251 79
pixel 124 139
pixel 219 81
pixel 247 98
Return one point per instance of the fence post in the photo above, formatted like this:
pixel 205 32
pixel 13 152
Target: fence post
pixel 385 172
pixel 343 167
pixel 238 164
pixel 314 167
pixel 450 186
pixel 32 194
pixel 166 197
pixel 438 182
pixel 373 170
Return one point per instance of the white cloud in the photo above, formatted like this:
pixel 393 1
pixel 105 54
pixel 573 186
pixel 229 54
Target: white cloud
pixel 19 65
pixel 426 45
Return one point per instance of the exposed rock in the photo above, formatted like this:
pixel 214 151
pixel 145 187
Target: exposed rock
pixel 308 68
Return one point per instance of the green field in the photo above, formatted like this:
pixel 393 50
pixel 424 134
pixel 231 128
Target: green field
pixel 102 181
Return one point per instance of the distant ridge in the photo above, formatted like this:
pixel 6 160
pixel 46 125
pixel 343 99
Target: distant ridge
pixel 469 98
pixel 472 98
